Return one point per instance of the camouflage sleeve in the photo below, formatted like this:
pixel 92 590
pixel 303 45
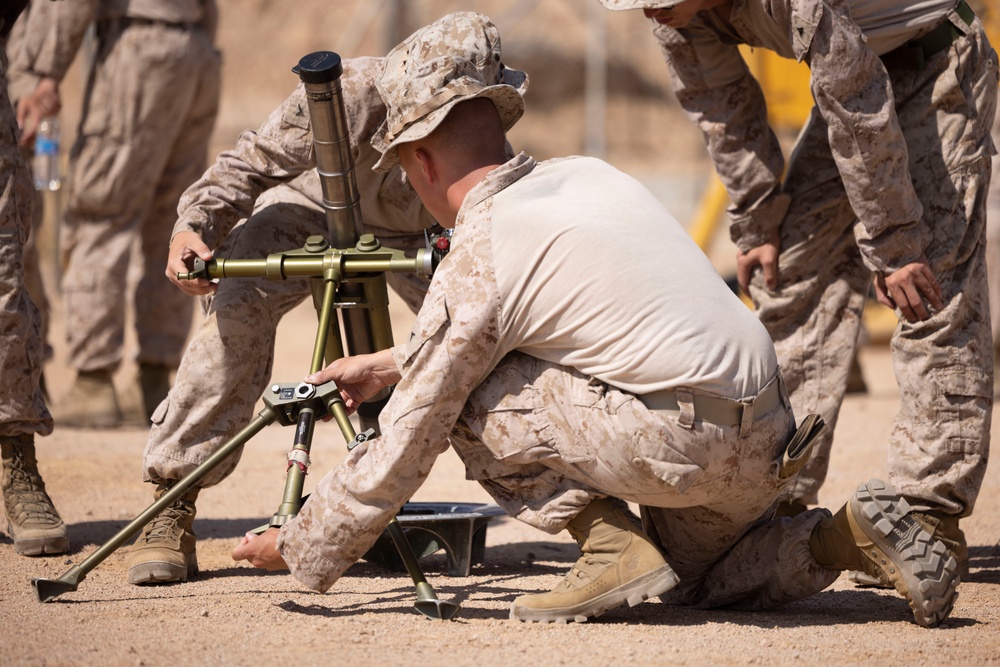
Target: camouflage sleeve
pixel 718 93
pixel 276 153
pixel 854 95
pixel 53 35
pixel 20 80
pixel 450 351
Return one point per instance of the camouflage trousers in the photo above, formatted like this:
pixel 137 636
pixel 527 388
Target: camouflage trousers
pixel 153 96
pixel 22 408
pixel 544 441
pixel 939 444
pixel 227 364
pixel 32 259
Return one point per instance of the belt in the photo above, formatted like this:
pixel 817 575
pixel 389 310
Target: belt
pixel 716 410
pixel 916 52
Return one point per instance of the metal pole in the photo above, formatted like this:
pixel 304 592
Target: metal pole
pixel 320 72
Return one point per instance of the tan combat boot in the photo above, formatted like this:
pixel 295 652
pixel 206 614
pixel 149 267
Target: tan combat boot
pixel 618 564
pixel 32 520
pixel 165 551
pixel 876 534
pixel 154 381
pixel 90 403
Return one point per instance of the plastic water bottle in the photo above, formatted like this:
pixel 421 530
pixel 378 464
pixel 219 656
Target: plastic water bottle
pixel 46 162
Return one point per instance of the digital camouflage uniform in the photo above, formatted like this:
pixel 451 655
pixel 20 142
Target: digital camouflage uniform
pixel 20 83
pixel 22 408
pixel 893 163
pixel 271 174
pixel 150 104
pixel 32 522
pixel 529 362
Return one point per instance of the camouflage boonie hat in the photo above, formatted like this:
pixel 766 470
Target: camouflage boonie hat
pixel 619 5
pixel 454 59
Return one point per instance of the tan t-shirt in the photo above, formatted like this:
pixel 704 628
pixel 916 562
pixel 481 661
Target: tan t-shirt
pixel 594 273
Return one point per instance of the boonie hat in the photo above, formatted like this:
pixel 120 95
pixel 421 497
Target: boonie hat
pixel 454 59
pixel 619 5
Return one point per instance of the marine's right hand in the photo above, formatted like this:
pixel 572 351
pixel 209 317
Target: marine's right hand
pixel 184 248
pixel 359 377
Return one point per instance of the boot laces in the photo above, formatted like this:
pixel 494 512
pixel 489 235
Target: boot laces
pixel 26 497
pixel 586 569
pixel 167 524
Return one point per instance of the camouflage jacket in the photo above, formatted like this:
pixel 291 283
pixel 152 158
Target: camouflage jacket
pixel 853 96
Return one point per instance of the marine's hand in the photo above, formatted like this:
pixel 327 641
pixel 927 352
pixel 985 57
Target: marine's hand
pixel 184 248
pixel 43 101
pixel 359 377
pixel 764 256
pixel 908 288
pixel 260 550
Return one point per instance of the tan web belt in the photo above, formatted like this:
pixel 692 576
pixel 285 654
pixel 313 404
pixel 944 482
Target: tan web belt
pixel 713 409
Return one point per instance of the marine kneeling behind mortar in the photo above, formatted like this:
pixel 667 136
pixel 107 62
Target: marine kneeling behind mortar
pixel 564 399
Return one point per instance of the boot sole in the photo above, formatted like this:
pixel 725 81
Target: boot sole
pixel 162 572
pixel 928 574
pixel 649 585
pixel 38 546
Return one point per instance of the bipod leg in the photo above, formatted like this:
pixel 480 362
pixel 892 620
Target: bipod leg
pixel 427 602
pixel 49 589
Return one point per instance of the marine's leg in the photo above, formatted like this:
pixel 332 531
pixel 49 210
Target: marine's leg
pixel 133 99
pixel 218 382
pixel 814 316
pixel 33 281
pixel 559 450
pixel 939 445
pixel 32 520
pixel 163 314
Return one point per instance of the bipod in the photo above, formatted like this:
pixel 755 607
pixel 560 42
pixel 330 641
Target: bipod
pixel 283 404
pixel 49 589
pixel 357 259
pixel 300 404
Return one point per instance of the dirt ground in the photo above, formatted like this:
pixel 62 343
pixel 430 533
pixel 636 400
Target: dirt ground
pixel 232 614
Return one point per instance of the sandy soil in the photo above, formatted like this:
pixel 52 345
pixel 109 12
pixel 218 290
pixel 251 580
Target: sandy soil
pixel 233 614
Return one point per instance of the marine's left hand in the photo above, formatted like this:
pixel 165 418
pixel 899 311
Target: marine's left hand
pixel 908 288
pixel 766 257
pixel 261 551
pixel 44 101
